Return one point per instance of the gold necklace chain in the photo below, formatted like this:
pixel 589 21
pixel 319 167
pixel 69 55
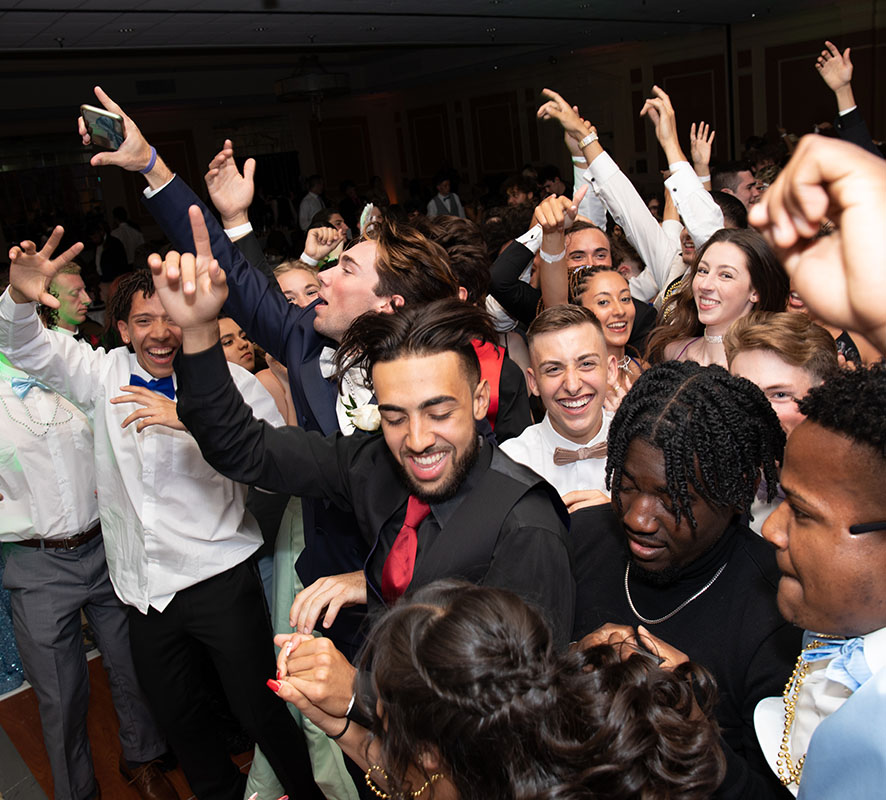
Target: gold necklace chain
pixel 788 771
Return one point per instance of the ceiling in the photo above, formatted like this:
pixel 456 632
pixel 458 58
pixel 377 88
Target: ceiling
pixel 39 26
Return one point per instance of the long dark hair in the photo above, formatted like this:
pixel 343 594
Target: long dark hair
pixel 470 674
pixel 768 279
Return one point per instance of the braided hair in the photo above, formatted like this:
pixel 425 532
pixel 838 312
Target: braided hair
pixel 717 432
pixel 852 403
pixel 470 673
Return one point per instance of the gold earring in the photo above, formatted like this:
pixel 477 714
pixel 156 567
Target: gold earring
pixel 384 795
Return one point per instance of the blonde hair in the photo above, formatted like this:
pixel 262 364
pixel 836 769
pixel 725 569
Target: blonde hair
pixel 794 338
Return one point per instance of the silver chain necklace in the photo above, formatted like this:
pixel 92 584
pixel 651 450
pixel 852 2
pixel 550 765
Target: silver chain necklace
pixel 46 425
pixel 679 608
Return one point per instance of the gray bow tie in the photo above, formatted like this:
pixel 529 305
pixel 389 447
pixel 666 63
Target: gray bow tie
pixel 564 456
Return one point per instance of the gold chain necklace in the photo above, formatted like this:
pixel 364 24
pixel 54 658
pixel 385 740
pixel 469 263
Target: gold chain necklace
pixel 788 771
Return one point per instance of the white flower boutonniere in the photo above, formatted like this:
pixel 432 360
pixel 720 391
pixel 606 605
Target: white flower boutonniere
pixel 366 418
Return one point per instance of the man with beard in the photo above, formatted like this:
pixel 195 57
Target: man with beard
pixel 687 448
pixel 421 492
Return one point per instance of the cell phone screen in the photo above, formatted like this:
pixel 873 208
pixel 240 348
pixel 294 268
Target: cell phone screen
pixel 105 129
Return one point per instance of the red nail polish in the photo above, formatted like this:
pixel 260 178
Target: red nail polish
pixel 273 685
pixel 279 675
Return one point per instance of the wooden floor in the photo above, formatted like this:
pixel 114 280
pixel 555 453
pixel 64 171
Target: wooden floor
pixel 20 719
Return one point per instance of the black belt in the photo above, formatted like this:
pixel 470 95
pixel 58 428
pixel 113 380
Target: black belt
pixel 71 543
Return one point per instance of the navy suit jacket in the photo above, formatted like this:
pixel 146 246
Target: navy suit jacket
pixel 286 331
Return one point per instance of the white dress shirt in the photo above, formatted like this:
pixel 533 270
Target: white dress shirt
pixel 310 204
pixel 701 215
pixel 352 394
pixel 535 448
pixel 47 477
pixel 819 698
pixel 641 229
pixel 169 520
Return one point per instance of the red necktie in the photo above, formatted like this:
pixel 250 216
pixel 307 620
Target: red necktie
pixel 400 563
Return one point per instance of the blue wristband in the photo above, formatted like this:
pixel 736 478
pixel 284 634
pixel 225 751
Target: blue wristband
pixel 151 163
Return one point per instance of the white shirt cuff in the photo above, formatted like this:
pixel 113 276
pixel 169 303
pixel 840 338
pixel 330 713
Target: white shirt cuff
pixel 532 238
pixel 846 111
pixel 149 192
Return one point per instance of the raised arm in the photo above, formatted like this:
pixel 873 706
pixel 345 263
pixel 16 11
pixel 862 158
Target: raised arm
pixel 69 367
pixel 836 69
pixel 620 197
pixel 701 215
pixel 192 288
pixel 260 309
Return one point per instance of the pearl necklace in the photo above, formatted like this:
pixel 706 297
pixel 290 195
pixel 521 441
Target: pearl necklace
pixel 679 608
pixel 53 422
pixel 788 771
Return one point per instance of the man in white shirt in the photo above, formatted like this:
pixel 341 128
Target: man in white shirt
pixel 570 371
pixel 55 568
pixel 179 545
pixel 311 203
pixel 825 737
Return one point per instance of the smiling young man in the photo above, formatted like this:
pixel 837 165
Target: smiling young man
pixel 830 535
pixel 179 544
pixel 570 372
pixel 685 449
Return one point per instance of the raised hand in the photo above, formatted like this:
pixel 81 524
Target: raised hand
pixel 32 270
pixel 557 108
pixel 322 241
pixel 556 214
pixel 191 287
pixel 701 138
pixel 660 112
pixel 135 152
pixel 840 277
pixel 835 68
pixel 230 190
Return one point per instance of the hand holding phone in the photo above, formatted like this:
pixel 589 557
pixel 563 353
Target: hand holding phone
pixel 105 128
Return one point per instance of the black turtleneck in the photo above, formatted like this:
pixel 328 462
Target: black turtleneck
pixel 734 628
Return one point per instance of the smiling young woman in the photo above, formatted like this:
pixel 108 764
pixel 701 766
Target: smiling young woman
pixel 736 272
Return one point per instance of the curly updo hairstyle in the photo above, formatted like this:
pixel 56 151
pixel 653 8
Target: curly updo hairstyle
pixel 470 674
pixel 717 432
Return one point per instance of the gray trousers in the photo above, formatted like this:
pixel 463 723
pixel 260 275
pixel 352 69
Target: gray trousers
pixel 48 588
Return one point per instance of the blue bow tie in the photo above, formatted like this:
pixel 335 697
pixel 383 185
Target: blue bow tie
pixel 162 385
pixel 848 665
pixel 21 386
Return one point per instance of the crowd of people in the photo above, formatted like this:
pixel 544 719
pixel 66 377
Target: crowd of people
pixel 575 497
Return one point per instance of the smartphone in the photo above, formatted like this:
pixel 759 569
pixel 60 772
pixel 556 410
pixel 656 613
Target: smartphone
pixel 105 128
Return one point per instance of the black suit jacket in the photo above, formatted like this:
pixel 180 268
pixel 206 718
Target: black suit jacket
pixel 851 127
pixel 505 526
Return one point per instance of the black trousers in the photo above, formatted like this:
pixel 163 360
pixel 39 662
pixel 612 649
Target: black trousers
pixel 227 616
